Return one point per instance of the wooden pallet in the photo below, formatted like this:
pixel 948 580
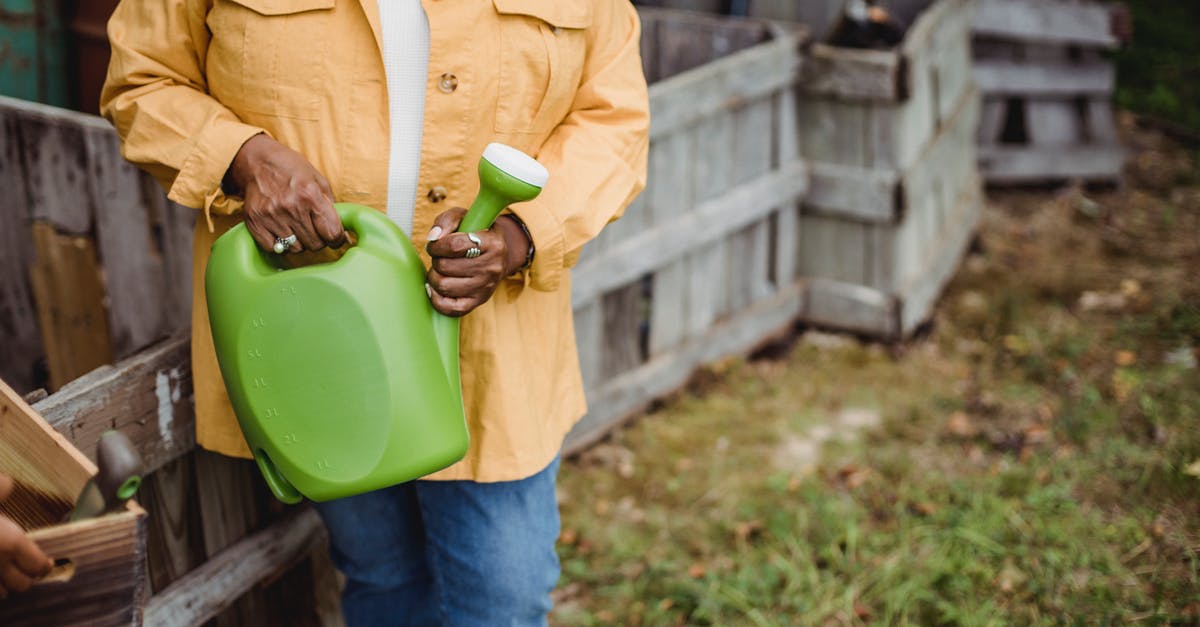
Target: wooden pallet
pixel 894 192
pixel 1048 90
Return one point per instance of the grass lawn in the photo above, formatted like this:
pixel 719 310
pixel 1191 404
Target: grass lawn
pixel 1035 459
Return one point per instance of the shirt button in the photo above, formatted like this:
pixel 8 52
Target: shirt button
pixel 437 194
pixel 448 83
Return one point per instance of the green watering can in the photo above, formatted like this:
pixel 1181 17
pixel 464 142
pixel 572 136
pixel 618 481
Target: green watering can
pixel 343 377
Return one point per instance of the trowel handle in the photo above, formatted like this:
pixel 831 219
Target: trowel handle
pixel 119 469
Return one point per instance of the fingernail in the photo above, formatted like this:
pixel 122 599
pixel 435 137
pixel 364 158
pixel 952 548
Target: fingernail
pixel 429 290
pixel 434 233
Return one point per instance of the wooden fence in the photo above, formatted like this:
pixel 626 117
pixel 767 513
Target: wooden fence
pixel 1048 89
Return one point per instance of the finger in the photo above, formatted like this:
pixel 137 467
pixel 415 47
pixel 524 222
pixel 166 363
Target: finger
pixel 30 559
pixel 308 199
pixel 488 266
pixel 446 222
pixel 262 236
pixel 265 225
pixel 453 307
pixel 6 486
pixel 457 287
pixel 457 244
pixel 328 224
pixel 13 579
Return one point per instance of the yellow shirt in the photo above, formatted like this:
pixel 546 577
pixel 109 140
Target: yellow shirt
pixel 191 80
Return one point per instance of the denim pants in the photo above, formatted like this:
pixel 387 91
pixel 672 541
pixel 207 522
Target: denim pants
pixel 447 552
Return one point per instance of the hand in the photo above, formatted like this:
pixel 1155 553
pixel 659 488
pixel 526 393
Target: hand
pixel 458 285
pixel 21 561
pixel 285 195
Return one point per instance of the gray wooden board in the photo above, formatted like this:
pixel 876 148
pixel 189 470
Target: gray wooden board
pixel 819 15
pixel 688 40
pixel 19 333
pixel 622 397
pixel 852 74
pixel 1053 122
pixel 709 222
pixel 917 300
pixel 211 588
pixel 174 543
pixel 753 153
pixel 854 192
pixel 834 248
pixel 1016 78
pixel 851 307
pixel 229 511
pixel 175 225
pixel 686 99
pixel 1083 23
pixel 622 312
pixel 787 147
pixel 589 342
pixel 713 178
pixel 1027 164
pixel 148 397
pixel 133 272
pixel 669 199
pixel 1101 124
pixel 991 121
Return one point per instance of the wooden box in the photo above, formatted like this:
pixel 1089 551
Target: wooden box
pixel 702 264
pixel 894 194
pixel 100 578
pixel 1047 89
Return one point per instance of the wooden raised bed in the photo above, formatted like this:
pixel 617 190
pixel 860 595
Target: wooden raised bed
pixel 702 265
pixel 888 136
pixel 1048 90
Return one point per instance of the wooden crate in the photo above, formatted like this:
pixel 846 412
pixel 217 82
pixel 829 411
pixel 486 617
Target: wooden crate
pixel 702 265
pixel 894 197
pixel 103 560
pixel 1048 88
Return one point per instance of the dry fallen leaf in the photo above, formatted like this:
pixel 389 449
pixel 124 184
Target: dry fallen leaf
pixel 861 611
pixel 959 425
pixel 697 570
pixel 1192 469
pixel 1125 358
pixel 748 530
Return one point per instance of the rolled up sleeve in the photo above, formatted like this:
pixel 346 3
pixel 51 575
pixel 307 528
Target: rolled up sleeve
pixel 156 96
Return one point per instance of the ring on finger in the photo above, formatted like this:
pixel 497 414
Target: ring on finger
pixel 475 250
pixel 284 243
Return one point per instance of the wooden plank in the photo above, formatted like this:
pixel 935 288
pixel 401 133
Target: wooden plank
pixel 174 542
pixel 833 131
pixel 589 342
pixel 852 74
pixel 1003 78
pixel 70 304
pixel 622 313
pixel 710 221
pixel 787 227
pixel 852 307
pixel 687 40
pixel 1027 164
pixel 1101 123
pixel 229 511
pixel 634 390
pixel 917 300
pixel 669 197
pixel 148 397
pixel 687 98
pixel 174 225
pixel 18 317
pixel 991 123
pixel 748 251
pixel 868 194
pixel 133 273
pixel 209 589
pixel 1053 122
pixel 106 555
pixel 1045 21
pixel 45 491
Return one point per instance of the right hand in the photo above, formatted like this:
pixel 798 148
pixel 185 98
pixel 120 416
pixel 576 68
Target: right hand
pixel 21 561
pixel 285 195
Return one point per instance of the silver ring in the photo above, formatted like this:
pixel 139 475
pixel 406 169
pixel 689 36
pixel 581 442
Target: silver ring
pixel 475 250
pixel 284 243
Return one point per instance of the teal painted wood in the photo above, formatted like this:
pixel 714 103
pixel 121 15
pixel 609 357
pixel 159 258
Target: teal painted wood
pixel 33 51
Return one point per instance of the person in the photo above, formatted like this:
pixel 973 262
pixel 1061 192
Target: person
pixel 268 111
pixel 21 561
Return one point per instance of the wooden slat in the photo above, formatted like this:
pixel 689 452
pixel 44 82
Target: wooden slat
pixel 1026 164
pixel 629 393
pixel 70 304
pixel 748 276
pixel 917 299
pixel 1047 21
pixel 710 221
pixel 133 273
pixel 669 194
pixel 175 544
pixel 211 588
pixel 852 307
pixel 853 74
pixel 1001 78
pixel 18 318
pixel 694 95
pixel 148 397
pixel 854 192
pixel 787 226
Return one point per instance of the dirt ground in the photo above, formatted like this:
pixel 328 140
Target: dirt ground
pixel 1033 458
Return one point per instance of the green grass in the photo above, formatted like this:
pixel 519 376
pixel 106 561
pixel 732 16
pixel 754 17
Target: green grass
pixel 1027 466
pixel 1159 73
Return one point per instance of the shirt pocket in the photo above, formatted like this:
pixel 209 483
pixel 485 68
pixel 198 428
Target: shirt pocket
pixel 543 47
pixel 269 56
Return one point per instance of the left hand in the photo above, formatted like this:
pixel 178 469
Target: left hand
pixel 457 284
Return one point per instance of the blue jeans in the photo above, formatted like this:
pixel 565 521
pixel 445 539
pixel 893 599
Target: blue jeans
pixel 447 552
